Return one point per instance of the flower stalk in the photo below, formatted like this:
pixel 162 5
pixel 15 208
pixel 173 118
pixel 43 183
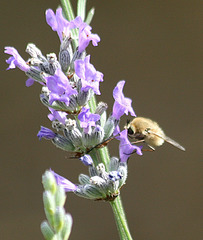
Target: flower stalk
pixel 116 204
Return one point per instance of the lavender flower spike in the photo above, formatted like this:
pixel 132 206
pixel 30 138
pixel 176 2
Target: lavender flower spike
pixel 16 60
pixel 65 183
pixel 122 105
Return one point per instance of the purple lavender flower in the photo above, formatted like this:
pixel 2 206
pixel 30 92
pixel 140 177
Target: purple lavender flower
pixel 122 105
pixel 87 119
pixel 58 23
pixel 65 183
pixel 89 76
pixel 125 147
pixel 60 87
pixel 85 35
pixel 16 60
pixel 46 133
pixel 57 115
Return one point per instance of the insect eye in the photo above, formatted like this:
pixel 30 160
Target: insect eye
pixel 130 131
pixel 128 121
pixel 147 130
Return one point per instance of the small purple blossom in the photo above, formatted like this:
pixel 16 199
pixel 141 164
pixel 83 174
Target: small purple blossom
pixel 86 160
pixel 62 26
pixel 87 119
pixel 85 35
pixel 58 23
pixel 90 78
pixel 65 183
pixel 57 115
pixel 59 87
pixel 46 133
pixel 125 147
pixel 122 105
pixel 16 60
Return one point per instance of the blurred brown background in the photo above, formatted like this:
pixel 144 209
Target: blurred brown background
pixel 156 47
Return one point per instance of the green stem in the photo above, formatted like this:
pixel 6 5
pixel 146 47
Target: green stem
pixel 120 219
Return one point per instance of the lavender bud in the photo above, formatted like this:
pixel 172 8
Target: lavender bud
pixel 114 164
pixel 60 196
pixel 64 59
pixel 46 230
pixel 109 127
pixel 101 108
pixel 74 136
pixel 123 172
pixel 59 218
pixel 92 192
pixel 92 171
pixel 68 222
pixel 83 97
pixel 84 179
pixel 35 74
pixel 49 206
pixel 49 182
pixel 35 52
pixel 72 104
pixel 53 63
pixel 63 143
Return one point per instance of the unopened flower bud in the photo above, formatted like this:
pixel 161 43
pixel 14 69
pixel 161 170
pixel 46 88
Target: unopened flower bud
pixel 101 107
pixel 36 74
pixel 60 196
pixel 86 160
pixel 84 179
pixel 49 182
pixel 63 143
pixel 68 222
pixel 109 127
pixel 74 136
pixel 35 52
pixel 47 232
pixel 59 218
pixel 64 59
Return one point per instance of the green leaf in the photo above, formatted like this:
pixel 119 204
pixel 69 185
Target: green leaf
pixel 81 9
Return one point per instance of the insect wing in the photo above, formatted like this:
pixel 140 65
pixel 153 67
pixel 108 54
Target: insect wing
pixel 168 140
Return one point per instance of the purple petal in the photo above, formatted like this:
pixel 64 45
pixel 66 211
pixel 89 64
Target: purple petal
pixel 46 133
pixel 122 105
pixel 87 119
pixel 125 146
pixel 57 115
pixel 86 160
pixel 65 183
pixel 16 60
pixel 58 23
pixel 29 82
pixel 85 36
pixel 90 78
pixel 60 87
